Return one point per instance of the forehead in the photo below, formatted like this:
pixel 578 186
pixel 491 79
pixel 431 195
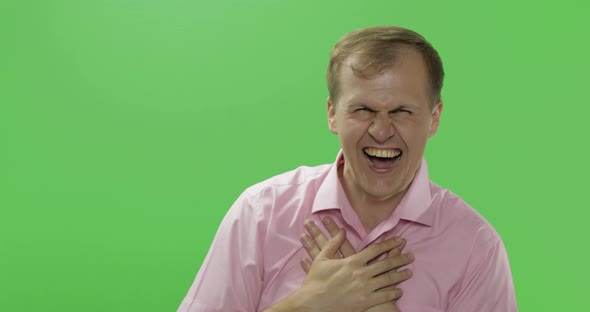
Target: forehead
pixel 406 80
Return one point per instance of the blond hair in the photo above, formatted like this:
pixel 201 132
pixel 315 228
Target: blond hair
pixel 375 49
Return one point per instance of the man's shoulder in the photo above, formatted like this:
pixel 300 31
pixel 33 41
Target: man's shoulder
pixel 455 212
pixel 300 177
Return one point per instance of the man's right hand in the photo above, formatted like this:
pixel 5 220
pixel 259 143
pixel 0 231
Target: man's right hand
pixel 347 284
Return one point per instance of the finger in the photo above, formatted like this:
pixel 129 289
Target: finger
pixel 390 278
pixel 330 251
pixel 397 250
pixel 306 265
pixel 392 287
pixel 312 249
pixel 385 295
pixel 315 232
pixel 377 249
pixel 346 250
pixel 389 263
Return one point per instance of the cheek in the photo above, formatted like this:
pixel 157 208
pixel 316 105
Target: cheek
pixel 356 127
pixel 414 136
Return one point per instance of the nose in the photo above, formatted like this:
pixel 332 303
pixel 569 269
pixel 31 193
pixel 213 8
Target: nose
pixel 382 128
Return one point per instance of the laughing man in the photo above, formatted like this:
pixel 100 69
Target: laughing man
pixel 369 232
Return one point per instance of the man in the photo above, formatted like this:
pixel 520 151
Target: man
pixel 377 199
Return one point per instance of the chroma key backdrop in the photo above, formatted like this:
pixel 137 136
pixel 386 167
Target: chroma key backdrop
pixel 128 128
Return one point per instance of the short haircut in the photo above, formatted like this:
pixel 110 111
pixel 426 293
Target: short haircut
pixel 375 49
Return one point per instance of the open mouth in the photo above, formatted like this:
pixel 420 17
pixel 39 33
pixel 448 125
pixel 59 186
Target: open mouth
pixel 382 159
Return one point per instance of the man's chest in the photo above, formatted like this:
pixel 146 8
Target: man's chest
pixel 436 270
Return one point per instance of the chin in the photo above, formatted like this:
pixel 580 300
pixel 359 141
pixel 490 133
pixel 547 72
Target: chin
pixel 382 191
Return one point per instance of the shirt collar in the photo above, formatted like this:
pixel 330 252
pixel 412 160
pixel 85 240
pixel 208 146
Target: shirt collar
pixel 415 205
pixel 330 194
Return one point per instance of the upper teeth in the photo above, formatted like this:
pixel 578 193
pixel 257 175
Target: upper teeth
pixel 382 153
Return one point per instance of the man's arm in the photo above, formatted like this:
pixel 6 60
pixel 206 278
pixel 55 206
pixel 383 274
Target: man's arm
pixel 230 277
pixel 487 284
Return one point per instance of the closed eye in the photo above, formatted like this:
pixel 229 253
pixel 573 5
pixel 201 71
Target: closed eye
pixel 364 109
pixel 401 110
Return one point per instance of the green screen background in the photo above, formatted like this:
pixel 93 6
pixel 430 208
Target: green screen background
pixel 127 129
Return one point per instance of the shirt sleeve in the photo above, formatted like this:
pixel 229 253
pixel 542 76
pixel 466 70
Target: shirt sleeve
pixel 230 278
pixel 487 285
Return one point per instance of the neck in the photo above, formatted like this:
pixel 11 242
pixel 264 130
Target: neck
pixel 370 210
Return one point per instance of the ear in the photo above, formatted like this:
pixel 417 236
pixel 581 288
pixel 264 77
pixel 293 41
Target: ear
pixel 436 112
pixel 332 117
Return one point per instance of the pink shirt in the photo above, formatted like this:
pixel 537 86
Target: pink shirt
pixel 461 263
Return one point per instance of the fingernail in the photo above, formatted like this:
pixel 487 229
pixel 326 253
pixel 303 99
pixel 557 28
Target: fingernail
pixel 327 220
pixel 411 256
pixel 398 239
pixel 309 225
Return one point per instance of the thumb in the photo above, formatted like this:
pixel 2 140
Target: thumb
pixel 333 245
